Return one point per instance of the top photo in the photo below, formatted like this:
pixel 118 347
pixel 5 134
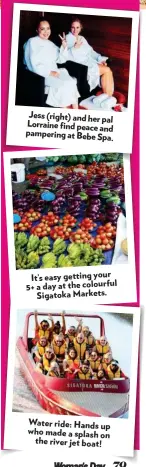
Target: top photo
pixel 75 60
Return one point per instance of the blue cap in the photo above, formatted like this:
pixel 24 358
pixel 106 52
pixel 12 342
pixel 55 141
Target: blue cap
pixel 16 218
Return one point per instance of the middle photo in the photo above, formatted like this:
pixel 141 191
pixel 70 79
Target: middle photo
pixel 72 215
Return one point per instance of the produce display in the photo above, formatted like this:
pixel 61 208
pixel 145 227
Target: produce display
pixel 75 223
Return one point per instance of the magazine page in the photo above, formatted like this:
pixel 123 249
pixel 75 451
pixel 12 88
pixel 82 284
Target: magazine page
pixel 73 329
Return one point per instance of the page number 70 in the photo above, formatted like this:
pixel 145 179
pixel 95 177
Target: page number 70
pixel 120 464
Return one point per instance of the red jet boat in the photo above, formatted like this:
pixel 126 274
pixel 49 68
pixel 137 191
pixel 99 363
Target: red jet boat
pixel 72 397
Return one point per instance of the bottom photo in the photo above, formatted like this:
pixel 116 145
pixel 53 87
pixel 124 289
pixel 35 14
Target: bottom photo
pixel 73 363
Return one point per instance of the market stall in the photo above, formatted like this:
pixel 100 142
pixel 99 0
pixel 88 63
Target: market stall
pixel 67 214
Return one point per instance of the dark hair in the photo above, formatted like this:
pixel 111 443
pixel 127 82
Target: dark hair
pixel 86 362
pixel 44 321
pixel 57 324
pixel 75 18
pixel 40 19
pixel 72 348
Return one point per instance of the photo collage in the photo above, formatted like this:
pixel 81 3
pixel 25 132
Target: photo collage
pixel 71 219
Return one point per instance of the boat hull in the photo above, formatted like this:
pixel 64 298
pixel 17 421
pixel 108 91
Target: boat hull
pixel 53 393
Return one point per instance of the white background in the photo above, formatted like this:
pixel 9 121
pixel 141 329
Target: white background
pixel 18 458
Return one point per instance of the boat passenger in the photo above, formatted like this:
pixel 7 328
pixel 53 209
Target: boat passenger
pixel 95 361
pixel 71 358
pixel 89 336
pixel 101 374
pixel 54 370
pixel 71 333
pixel 85 371
pixel 106 360
pixel 80 345
pixel 47 359
pixel 40 348
pixel 58 328
pixel 102 345
pixel 59 347
pixel 43 329
pixel 114 371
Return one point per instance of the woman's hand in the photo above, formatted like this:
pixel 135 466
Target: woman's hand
pixel 56 74
pixel 63 40
pixel 78 43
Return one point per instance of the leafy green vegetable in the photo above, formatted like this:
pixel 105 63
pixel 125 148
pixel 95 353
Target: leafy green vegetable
pixel 73 160
pixel 20 239
pixel 83 195
pixel 32 260
pixel 33 243
pixel 82 159
pixel 64 261
pixel 21 258
pixel 44 246
pixel 59 246
pixel 49 261
pixel 74 250
pixel 98 257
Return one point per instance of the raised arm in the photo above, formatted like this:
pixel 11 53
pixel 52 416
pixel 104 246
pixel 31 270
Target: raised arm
pixel 52 322
pixel 63 322
pixel 36 320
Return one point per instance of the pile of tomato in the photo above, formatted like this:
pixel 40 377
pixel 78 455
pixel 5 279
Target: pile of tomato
pixel 80 236
pixel 105 237
pixel 24 225
pixel 60 231
pixel 32 215
pixel 87 224
pixel 68 220
pixel 50 219
pixel 41 230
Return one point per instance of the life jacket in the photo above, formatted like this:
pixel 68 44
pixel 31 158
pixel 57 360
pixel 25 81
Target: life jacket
pixel 41 350
pixel 102 349
pixel 80 348
pixel 112 375
pixel 41 333
pixel 59 351
pixel 71 338
pixel 89 340
pixel 53 374
pixel 71 362
pixel 94 365
pixel 47 363
pixel 84 376
pixel 104 366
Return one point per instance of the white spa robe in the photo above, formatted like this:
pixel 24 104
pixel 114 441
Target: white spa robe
pixel 41 57
pixel 85 55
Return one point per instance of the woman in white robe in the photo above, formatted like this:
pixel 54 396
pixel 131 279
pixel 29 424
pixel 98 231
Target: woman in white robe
pixel 41 56
pixel 79 51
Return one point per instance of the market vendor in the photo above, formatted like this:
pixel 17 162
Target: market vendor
pixel 43 329
pixel 114 371
pixel 80 345
pixel 40 348
pixel 102 345
pixel 85 371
